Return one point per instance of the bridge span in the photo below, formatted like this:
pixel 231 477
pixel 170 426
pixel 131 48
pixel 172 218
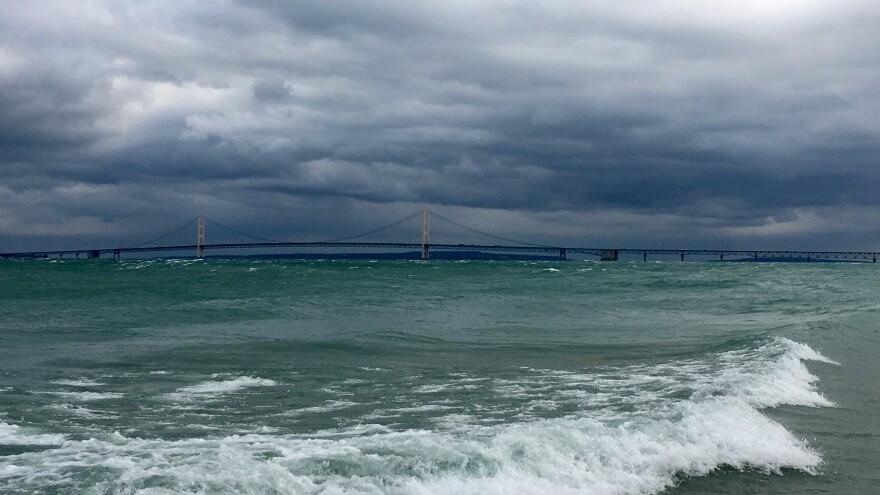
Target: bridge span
pixel 425 247
pixel 604 254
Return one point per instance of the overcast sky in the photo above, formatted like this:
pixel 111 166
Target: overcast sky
pixel 674 124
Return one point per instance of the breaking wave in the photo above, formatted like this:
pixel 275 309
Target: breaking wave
pixel 643 446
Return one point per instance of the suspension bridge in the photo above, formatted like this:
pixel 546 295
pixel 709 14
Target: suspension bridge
pixel 155 247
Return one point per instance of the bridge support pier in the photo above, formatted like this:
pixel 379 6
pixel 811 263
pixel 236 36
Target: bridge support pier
pixel 756 256
pixel 608 255
pixel 721 256
pixel 562 254
pixel 200 237
pixel 425 253
pixel 644 256
pixel 682 256
pixel 117 254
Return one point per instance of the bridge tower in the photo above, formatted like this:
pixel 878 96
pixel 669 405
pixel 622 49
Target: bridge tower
pixel 425 234
pixel 200 237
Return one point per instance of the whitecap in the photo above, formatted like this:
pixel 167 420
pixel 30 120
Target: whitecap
pixel 213 388
pixel 770 376
pixel 80 411
pixel 87 396
pixel 11 434
pixel 560 456
pixel 455 421
pixel 80 382
pixel 805 352
pixel 422 408
pixel 701 415
pixel 330 405
pixel 354 381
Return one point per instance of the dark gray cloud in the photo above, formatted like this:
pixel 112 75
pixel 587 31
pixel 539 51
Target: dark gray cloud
pixel 664 123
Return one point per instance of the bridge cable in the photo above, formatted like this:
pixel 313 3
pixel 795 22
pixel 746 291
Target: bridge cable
pixel 362 234
pixel 238 232
pixel 380 229
pixel 453 222
pixel 163 236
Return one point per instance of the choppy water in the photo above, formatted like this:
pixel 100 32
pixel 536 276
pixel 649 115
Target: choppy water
pixel 333 377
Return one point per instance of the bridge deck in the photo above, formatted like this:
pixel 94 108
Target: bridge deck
pixel 562 252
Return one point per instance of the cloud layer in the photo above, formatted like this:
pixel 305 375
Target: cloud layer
pixel 662 124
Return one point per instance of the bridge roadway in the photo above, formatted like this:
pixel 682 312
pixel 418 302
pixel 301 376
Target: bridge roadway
pixel 562 252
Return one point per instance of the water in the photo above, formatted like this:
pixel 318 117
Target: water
pixel 160 377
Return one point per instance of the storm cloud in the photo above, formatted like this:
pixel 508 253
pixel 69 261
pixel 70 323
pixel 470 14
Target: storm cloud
pixel 661 124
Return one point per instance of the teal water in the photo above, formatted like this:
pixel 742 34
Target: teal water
pixel 264 377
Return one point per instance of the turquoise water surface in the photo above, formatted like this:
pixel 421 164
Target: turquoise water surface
pixel 287 377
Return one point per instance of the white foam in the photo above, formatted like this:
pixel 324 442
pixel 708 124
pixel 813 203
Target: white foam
pixel 354 381
pixel 336 391
pixel 88 396
pixel 16 435
pixel 541 405
pixel 805 352
pixel 220 387
pixel 11 470
pixel 422 408
pixel 80 411
pixel 330 405
pixel 564 456
pixel 379 414
pixel 456 421
pixel 432 389
pixel 679 418
pixel 787 381
pixel 81 382
pixel 473 379
pixel 772 375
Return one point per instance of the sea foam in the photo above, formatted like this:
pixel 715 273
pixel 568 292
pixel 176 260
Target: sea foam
pixel 638 450
pixel 566 455
pixel 213 388
pixel 88 396
pixel 11 434
pixel 772 375
pixel 80 382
